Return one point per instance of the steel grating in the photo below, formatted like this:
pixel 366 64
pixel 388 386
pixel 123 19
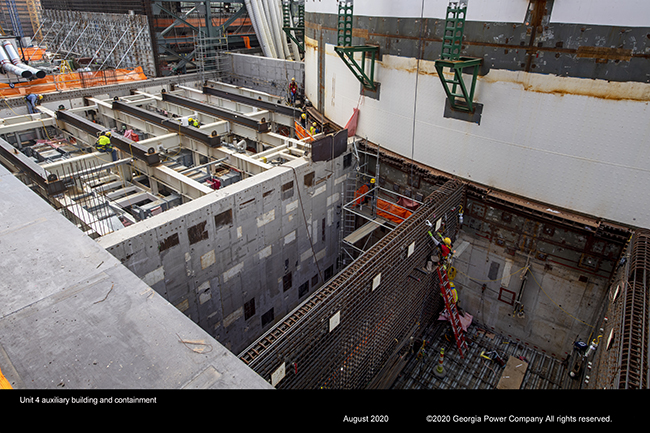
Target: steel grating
pixel 344 334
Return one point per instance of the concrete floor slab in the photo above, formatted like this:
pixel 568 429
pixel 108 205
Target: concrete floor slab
pixel 73 317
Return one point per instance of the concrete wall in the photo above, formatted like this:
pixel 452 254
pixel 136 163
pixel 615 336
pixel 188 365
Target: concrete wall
pixel 265 74
pixel 239 259
pixel 558 307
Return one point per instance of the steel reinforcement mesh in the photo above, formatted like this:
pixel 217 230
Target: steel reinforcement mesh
pixel 634 333
pixel 343 335
pixel 622 356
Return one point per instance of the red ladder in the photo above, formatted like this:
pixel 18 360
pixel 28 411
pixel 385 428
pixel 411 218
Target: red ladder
pixel 452 312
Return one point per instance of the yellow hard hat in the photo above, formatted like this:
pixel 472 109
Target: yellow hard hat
pixel 191 119
pixel 293 79
pixel 40 96
pixel 107 133
pixel 304 116
pixel 372 180
pixel 314 123
pixel 447 241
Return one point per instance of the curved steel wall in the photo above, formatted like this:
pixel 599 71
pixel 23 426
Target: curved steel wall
pixel 565 105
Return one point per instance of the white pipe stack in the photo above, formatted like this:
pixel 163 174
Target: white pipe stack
pixel 276 27
pixel 15 59
pixel 257 27
pixel 266 16
pixel 283 36
pixel 10 67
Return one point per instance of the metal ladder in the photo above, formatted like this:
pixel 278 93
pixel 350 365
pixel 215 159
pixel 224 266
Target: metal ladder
pixel 452 311
pixel 451 58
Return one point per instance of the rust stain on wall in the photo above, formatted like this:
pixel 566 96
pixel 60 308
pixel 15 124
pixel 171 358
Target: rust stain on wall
pixel 605 53
pixel 561 86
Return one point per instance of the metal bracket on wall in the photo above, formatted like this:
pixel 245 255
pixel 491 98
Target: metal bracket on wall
pixel 451 58
pixel 295 30
pixel 346 50
pixel 463 101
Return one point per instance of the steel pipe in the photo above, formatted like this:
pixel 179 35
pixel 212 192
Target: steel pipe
pixel 15 59
pixel 10 67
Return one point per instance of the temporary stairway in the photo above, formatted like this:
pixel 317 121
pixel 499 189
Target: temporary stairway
pixel 452 311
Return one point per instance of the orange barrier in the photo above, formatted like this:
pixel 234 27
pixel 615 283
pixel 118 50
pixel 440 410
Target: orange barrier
pixel 4 383
pixel 302 132
pixel 72 80
pixel 33 54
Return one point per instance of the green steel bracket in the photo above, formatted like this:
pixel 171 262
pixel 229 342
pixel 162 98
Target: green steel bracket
pixel 359 70
pixel 463 101
pixel 346 50
pixel 450 58
pixel 296 34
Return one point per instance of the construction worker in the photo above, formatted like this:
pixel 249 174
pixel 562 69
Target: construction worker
pixel 193 122
pixel 454 293
pixel 32 101
pixel 104 145
pixel 445 246
pixel 313 130
pixel 293 91
pixel 303 120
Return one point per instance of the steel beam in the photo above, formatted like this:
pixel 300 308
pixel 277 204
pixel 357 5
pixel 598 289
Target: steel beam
pixel 48 181
pixel 171 125
pixel 265 105
pixel 130 147
pixel 217 112
pixel 24 123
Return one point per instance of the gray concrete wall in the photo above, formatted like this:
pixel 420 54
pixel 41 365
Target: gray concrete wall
pixel 557 305
pixel 239 259
pixel 265 74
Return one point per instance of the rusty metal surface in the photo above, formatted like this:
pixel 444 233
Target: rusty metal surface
pixel 534 45
pixel 375 320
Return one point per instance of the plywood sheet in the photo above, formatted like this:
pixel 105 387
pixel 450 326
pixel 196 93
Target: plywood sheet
pixel 513 374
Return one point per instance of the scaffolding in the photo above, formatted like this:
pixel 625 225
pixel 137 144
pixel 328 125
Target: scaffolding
pixel 211 56
pixel 369 208
pixel 96 41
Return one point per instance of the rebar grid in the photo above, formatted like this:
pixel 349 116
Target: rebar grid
pixel 84 203
pixel 634 330
pixel 375 319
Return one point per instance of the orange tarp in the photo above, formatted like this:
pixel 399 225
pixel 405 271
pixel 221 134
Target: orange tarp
pixel 32 54
pixel 385 209
pixel 358 199
pixel 72 80
pixel 398 214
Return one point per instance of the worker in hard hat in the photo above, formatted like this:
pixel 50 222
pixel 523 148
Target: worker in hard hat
pixel 193 122
pixel 32 101
pixel 303 120
pixel 313 129
pixel 103 144
pixel 444 244
pixel 293 91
